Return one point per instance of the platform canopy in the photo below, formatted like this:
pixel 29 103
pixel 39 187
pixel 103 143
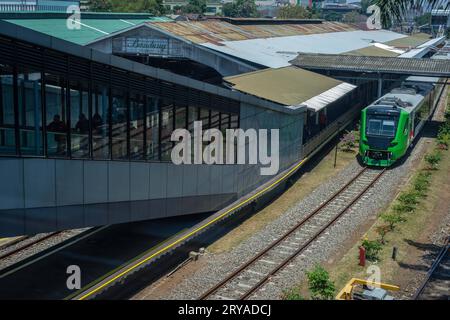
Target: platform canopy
pixel 411 66
pixel 291 86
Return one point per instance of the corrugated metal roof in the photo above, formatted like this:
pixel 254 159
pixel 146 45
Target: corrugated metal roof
pixel 291 86
pixel 277 52
pixel 90 29
pixel 423 67
pixel 215 31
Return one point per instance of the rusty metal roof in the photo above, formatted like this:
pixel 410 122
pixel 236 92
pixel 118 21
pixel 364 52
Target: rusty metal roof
pixel 214 31
pixel 420 67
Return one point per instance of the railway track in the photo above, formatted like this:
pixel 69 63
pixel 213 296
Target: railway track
pixel 254 274
pixel 437 282
pixel 25 243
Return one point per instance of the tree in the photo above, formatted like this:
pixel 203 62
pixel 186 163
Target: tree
pixel 194 6
pixel 373 248
pixel 100 5
pixel 240 8
pixel 382 232
pixel 320 285
pixel 396 9
pixel 295 12
pixel 392 219
pixel 350 17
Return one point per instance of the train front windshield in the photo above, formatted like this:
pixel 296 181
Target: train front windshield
pixel 381 126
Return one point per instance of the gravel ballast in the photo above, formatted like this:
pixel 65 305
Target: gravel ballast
pixel 220 265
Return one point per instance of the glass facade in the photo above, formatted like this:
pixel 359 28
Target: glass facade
pixel 56 113
pixel 7 114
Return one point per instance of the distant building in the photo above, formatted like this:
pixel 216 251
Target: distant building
pixel 36 5
pixel 440 20
pixel 213 7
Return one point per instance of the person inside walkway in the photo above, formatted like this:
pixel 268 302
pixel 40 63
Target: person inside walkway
pixel 82 127
pixel 58 129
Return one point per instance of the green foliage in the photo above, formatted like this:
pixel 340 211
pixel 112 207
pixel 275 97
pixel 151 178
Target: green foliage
pixel 350 17
pixel 348 142
pixel 392 219
pixel 433 160
pixel 100 5
pixel 296 12
pixel 240 8
pixel 373 248
pixel 194 6
pixel 421 183
pixel 392 10
pixel 423 19
pixel 154 7
pixel 408 198
pixel 382 232
pixel 292 294
pixel 404 207
pixel 320 285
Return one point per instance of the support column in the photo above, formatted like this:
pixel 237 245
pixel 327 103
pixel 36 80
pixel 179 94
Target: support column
pixel 380 85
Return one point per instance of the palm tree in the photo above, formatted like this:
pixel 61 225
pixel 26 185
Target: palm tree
pixel 396 9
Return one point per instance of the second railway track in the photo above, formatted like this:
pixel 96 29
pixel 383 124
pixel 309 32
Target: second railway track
pixel 254 274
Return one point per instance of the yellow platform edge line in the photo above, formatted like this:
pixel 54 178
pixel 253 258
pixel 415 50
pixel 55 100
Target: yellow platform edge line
pixel 87 295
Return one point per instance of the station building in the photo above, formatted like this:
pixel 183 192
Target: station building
pixel 86 114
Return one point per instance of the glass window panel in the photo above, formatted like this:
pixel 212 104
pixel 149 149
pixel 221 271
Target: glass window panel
pixel 100 122
pixel 29 86
pixel 180 117
pixel 193 114
pixel 166 129
pixel 7 132
pixel 137 127
pixel 234 121
pixel 204 118
pixel 119 124
pixel 215 119
pixel 79 119
pixel 152 119
pixel 56 117
pixel 224 121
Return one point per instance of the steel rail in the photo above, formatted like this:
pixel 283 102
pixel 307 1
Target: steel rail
pixel 26 246
pixel 287 234
pixel 433 267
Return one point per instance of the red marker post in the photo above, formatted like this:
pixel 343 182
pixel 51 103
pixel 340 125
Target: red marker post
pixel 362 256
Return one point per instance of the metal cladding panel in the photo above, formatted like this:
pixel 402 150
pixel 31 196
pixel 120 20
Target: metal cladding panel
pixel 118 181
pixel 13 223
pixel 39 183
pixel 69 182
pixel 96 215
pixel 119 212
pixel 190 173
pixel 40 220
pixel 79 67
pixel 70 217
pixel 7 50
pixel 139 181
pixel 11 184
pixel 158 180
pixel 174 180
pixel 95 181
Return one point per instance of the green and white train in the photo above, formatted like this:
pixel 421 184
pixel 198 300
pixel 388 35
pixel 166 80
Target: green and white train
pixel 390 124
